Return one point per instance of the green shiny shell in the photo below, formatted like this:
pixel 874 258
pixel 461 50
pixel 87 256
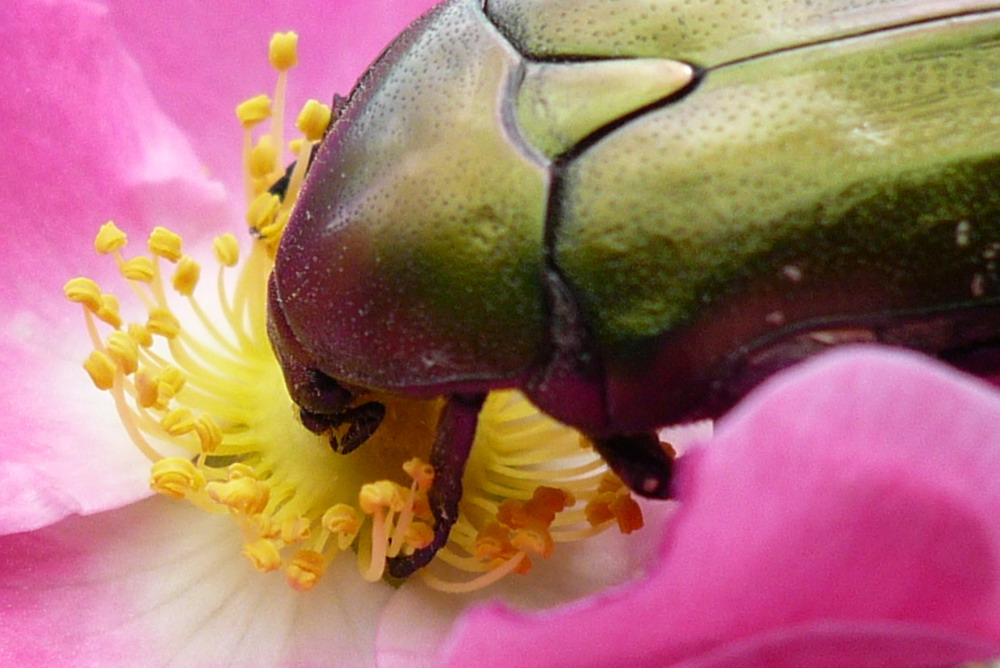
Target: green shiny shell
pixel 625 195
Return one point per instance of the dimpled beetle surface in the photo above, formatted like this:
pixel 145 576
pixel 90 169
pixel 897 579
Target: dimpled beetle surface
pixel 635 210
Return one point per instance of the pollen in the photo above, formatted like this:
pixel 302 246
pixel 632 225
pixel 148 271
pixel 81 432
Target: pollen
pixel 190 369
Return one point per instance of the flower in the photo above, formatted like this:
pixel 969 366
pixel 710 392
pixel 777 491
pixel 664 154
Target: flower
pixel 846 513
pixel 106 121
pixel 124 131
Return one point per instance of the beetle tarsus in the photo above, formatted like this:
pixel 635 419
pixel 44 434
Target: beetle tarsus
pixel 640 461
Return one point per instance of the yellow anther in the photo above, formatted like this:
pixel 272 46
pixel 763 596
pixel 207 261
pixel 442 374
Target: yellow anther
pixel 313 120
pixel 101 369
pixel 381 494
pixel 283 51
pixel 342 521
pixel 139 268
pixel 296 145
pixel 263 554
pixel 263 158
pixel 238 470
pixel 109 238
pixel 274 230
pixel 295 528
pixel 305 570
pixel 253 111
pixel 178 422
pixel 246 495
pixel 163 322
pixel 172 377
pixel 421 472
pixel 165 244
pixel 262 210
pixel 227 250
pixel 186 276
pixel 175 477
pixel 83 291
pixel 109 310
pixel 209 433
pixel 146 384
pixel 140 334
pixel 124 351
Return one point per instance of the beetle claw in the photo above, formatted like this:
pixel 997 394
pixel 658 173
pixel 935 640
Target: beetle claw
pixel 640 461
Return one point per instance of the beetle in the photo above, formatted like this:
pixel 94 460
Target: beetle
pixel 636 210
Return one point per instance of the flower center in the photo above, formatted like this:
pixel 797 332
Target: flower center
pixel 201 394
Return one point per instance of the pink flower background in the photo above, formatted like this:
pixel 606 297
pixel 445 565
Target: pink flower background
pixel 847 513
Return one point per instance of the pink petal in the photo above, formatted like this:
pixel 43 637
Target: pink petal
pixel 201 59
pixel 161 583
pixel 417 620
pixel 84 142
pixel 847 509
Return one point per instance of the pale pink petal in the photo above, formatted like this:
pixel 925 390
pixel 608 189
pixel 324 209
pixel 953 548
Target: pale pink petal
pixel 202 58
pixel 161 583
pixel 84 142
pixel 848 508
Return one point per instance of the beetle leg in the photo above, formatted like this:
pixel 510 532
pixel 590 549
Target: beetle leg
pixel 456 432
pixel 640 461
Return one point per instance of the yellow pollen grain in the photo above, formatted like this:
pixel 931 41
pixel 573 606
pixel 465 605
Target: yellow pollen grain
pixel 305 570
pixel 283 51
pixel 175 477
pixel 313 120
pixel 109 239
pixel 164 243
pixel 101 369
pixel 83 291
pixel 253 111
pixel 186 276
pixel 124 351
pixel 226 249
pixel 163 323
pixel 263 554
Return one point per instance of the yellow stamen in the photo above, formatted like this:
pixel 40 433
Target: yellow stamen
pixel 166 244
pixel 101 369
pixel 227 250
pixel 176 477
pixel 283 51
pixel 83 291
pixel 263 554
pixel 313 120
pixel 139 269
pixel 305 570
pixel 186 276
pixel 109 239
pixel 124 351
pixel 253 111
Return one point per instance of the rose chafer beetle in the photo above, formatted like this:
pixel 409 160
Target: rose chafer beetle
pixel 636 210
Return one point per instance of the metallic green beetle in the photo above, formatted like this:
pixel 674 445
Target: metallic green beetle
pixel 635 210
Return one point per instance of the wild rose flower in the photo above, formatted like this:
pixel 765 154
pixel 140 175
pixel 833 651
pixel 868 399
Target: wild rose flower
pixel 126 132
